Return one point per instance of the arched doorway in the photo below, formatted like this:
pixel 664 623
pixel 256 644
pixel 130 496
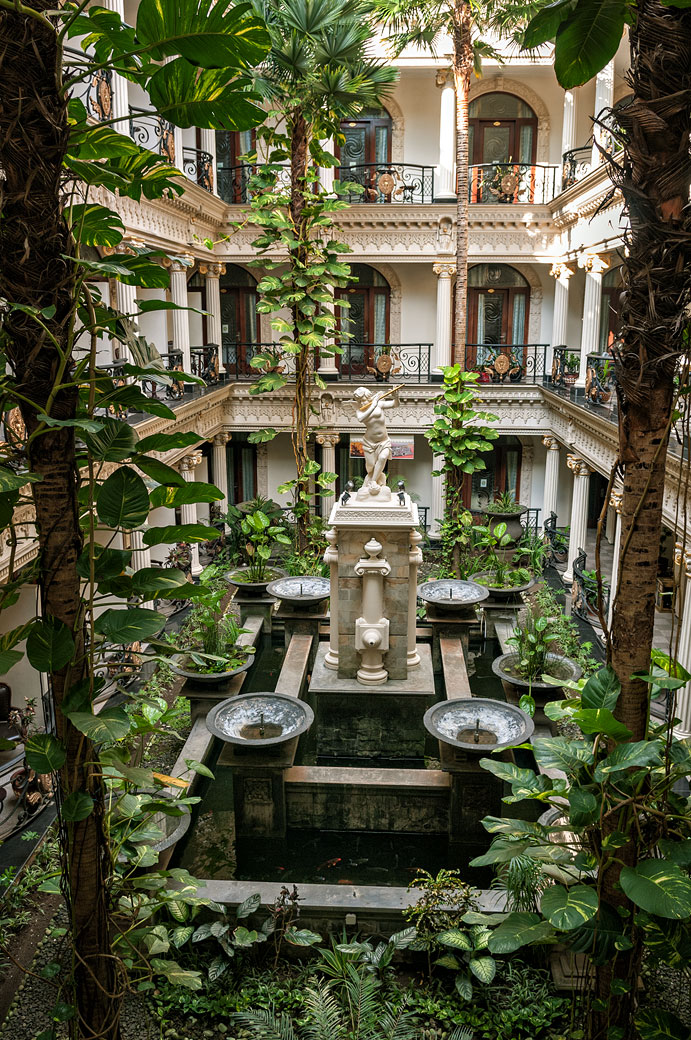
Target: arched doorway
pixel 609 308
pixel 365 153
pixel 239 322
pixel 232 174
pixel 498 310
pixel 502 142
pixel 366 319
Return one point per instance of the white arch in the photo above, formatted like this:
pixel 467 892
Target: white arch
pixel 502 85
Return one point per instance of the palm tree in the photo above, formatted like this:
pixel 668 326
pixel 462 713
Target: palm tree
pixel 319 71
pixel 429 23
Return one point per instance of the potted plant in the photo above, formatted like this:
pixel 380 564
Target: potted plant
pixel 522 670
pixel 572 364
pixel 261 535
pixel 507 511
pixel 497 572
pixel 212 653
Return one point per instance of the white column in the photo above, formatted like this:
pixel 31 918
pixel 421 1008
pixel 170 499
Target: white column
pixel 213 303
pixel 331 557
pixel 219 466
pixel 207 140
pixel 329 443
pixel 327 174
pixel 120 103
pixel 579 511
pixel 604 98
pixel 568 126
pixel 593 265
pixel 549 504
pixel 682 707
pixel 141 556
pixel 328 369
pixel 437 509
pixel 561 274
pixel 415 559
pixel 441 353
pixel 445 185
pixel 615 500
pixel 181 320
pixel 126 303
pixel 188 512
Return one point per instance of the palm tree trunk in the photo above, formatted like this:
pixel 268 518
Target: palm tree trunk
pixel 299 156
pixel 654 176
pixel 462 68
pixel 33 240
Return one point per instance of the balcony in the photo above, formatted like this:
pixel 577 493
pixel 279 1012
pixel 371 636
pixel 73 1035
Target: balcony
pixel 512 184
pixel 233 183
pixel 198 166
pixel 576 164
pixel 384 183
pixel 152 132
pixel 358 362
pixel 96 91
pixel 507 363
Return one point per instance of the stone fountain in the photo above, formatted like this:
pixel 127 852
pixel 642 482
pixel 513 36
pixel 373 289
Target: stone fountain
pixel 373 683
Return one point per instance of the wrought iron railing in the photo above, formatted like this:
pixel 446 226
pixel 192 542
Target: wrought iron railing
pixel 599 380
pixel 388 182
pixel 232 183
pixel 507 362
pixel 153 132
pixel 576 163
pixel 382 362
pixel 557 541
pixel 172 362
pixel 95 91
pixel 510 182
pixel 205 363
pixel 584 591
pixel 530 521
pixel 565 367
pixel 198 166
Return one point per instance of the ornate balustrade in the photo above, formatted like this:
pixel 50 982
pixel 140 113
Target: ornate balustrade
pixel 95 91
pixel 152 132
pixel 171 362
pixel 576 164
pixel 512 183
pixel 388 182
pixel 557 542
pixel 584 591
pixel 198 166
pixel 407 362
pixel 205 363
pixel 599 380
pixel 565 366
pixel 507 362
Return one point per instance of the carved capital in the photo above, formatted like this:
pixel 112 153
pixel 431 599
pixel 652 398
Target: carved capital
pixel 221 439
pixel 559 269
pixel 328 440
pixel 182 264
pixel 444 269
pixel 551 443
pixel 188 463
pixel 592 263
pixel 578 466
pixel 213 270
pixel 443 77
pixel 615 500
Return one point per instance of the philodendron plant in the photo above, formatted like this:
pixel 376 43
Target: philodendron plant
pixel 617 861
pixel 261 536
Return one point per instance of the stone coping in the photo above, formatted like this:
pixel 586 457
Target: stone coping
pixel 420 681
pixel 357 776
pixel 456 681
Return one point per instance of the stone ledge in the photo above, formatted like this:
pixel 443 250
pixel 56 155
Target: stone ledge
pixel 352 776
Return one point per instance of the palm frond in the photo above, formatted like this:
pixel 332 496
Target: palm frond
pixel 326 1017
pixel 396 1023
pixel 462 1033
pixel 266 1025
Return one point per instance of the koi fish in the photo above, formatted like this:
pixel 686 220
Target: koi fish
pixel 344 881
pixel 330 863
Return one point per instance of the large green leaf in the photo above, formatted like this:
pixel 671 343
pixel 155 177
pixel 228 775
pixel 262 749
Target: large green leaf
pixel 483 968
pixel 626 756
pixel 122 500
pixel 49 645
pixel 8 659
pixel 179 533
pixel 44 753
pixel 584 807
pixel 587 40
pixel 302 937
pixel 108 563
pixel 167 441
pixel 159 580
pixel 206 98
pixel 519 929
pixel 11 481
pixel 559 753
pixel 568 908
pixel 204 32
pixel 176 975
pixel 159 471
pixel 599 936
pixel 658 887
pixel 249 906
pixel 129 625
pixel 678 852
pixel 543 27
pixel 77 806
pixel 95 225
pixel 188 492
pixel 113 443
pixel 601 690
pixel 656 1024
pixel 455 938
pixel 464 986
pixel 600 720
pixel 110 725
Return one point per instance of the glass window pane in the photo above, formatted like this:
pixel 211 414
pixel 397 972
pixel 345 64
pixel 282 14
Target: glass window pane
pixel 482 485
pixel 247 463
pixel 250 306
pixel 495 276
pixel 525 148
pixel 496 143
pixel 379 318
pixel 499 106
pixel 354 149
pixel 518 322
pixel 381 145
pixel 490 314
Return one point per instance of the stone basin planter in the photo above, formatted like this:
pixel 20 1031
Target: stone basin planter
pixel 478 725
pixel 304 593
pixel 451 595
pixel 207 678
pixel 259 720
pixel 504 591
pixel 515 687
pixel 514 527
pixel 253 589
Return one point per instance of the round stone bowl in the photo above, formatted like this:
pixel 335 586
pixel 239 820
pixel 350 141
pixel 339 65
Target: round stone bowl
pixel 504 591
pixel 259 720
pixel 302 593
pixel 495 724
pixel 207 678
pixel 450 595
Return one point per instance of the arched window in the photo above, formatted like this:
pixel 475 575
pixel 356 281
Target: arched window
pixel 366 319
pixel 365 154
pixel 502 135
pixel 609 308
pixel 232 174
pixel 498 308
pixel 239 322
